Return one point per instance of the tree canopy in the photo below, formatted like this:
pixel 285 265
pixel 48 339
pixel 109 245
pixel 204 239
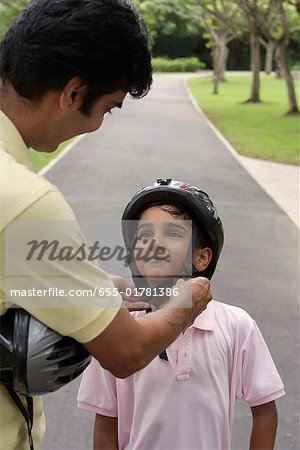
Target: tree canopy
pixel 213 26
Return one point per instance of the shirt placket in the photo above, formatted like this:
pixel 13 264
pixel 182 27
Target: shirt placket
pixel 182 356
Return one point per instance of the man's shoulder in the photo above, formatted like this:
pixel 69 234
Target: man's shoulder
pixel 22 188
pixel 12 169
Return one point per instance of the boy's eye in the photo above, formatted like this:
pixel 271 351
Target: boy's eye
pixel 174 234
pixel 144 235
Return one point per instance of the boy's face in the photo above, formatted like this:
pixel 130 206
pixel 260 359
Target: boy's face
pixel 162 245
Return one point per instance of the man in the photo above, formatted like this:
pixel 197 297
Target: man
pixel 63 65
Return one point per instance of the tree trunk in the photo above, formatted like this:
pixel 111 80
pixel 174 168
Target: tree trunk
pixel 285 71
pixel 220 55
pixel 255 67
pixel 223 56
pixel 216 70
pixel 269 57
pixel 215 84
pixel 278 69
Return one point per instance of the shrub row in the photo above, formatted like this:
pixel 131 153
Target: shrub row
pixel 190 64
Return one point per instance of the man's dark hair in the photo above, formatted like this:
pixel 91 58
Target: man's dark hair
pixel 104 42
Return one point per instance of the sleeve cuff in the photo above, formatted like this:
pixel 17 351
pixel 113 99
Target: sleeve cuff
pixel 99 323
pixel 97 410
pixel 269 398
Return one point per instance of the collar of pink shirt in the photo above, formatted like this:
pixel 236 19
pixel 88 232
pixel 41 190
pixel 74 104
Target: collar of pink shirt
pixel 206 320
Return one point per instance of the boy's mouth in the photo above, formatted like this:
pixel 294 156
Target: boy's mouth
pixel 156 259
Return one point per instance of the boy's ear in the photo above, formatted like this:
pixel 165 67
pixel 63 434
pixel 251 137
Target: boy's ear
pixel 72 94
pixel 201 258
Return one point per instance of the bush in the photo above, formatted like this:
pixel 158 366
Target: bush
pixel 295 66
pixel 163 64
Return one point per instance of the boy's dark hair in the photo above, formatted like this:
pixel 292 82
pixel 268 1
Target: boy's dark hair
pixel 102 41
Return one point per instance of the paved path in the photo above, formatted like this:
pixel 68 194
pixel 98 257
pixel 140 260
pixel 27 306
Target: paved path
pixel 163 136
pixel 280 181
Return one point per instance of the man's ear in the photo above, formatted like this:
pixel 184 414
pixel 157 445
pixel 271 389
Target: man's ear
pixel 201 258
pixel 72 94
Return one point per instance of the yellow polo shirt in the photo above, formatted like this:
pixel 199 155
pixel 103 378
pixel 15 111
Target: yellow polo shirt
pixel 26 197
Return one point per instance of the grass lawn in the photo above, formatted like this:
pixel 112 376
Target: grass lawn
pixel 257 130
pixel 41 159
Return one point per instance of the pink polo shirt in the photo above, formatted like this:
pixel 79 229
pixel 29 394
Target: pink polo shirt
pixel 188 402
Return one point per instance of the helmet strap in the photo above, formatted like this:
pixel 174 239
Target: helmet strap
pixel 163 355
pixel 26 413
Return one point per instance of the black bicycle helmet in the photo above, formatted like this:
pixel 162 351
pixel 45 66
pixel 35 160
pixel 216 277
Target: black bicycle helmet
pixel 34 358
pixel 196 203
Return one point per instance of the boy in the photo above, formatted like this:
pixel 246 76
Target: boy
pixel 185 398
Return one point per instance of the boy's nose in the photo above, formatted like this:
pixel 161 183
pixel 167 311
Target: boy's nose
pixel 159 244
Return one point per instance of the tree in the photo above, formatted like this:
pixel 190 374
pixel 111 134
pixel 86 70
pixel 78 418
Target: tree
pixel 296 4
pixel 281 39
pixel 275 20
pixel 221 20
pixel 165 17
pixel 9 9
pixel 251 10
pixel 270 50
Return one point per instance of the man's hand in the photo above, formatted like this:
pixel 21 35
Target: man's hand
pixel 194 295
pixel 132 302
pixel 201 294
